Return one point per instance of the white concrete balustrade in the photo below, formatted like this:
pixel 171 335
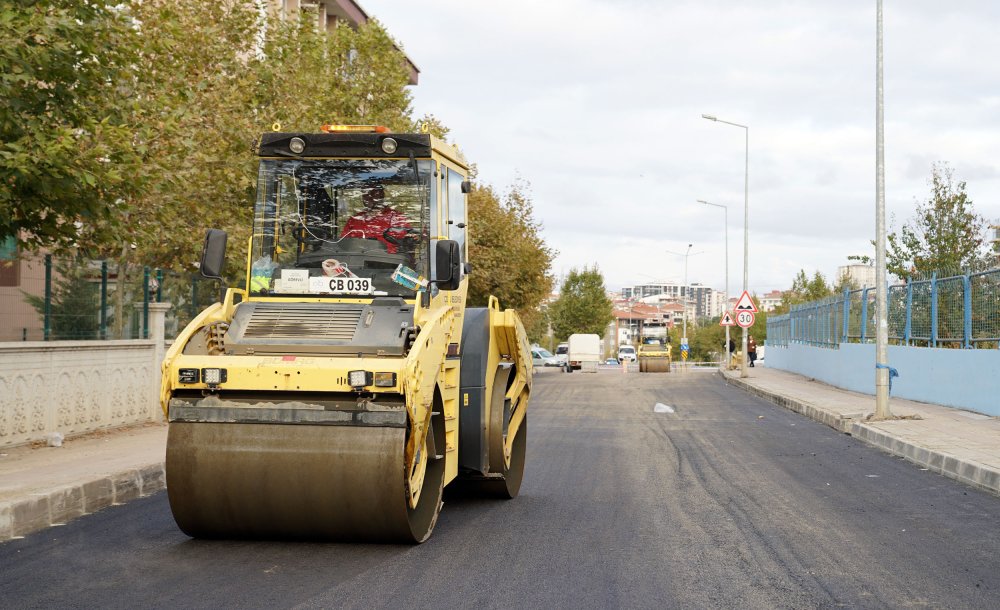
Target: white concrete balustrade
pixel 75 387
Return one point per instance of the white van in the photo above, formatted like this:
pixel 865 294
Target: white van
pixel 562 354
pixel 626 353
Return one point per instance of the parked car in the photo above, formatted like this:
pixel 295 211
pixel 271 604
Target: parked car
pixel 626 352
pixel 543 357
pixel 612 361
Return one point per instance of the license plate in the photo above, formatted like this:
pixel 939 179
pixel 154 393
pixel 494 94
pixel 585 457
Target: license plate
pixel 341 285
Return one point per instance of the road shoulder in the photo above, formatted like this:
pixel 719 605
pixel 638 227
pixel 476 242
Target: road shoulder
pixel 958 444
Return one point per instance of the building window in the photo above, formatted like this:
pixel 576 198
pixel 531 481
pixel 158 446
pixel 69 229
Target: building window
pixel 9 266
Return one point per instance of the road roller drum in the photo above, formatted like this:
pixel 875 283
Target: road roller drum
pixel 234 480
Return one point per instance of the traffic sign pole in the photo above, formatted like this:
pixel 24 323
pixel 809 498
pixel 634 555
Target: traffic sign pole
pixel 745 305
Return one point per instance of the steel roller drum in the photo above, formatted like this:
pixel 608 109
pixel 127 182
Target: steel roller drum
pixel 239 480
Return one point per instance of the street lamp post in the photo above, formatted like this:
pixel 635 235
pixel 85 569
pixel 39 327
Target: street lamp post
pixel 686 288
pixel 725 291
pixel 746 226
pixel 882 410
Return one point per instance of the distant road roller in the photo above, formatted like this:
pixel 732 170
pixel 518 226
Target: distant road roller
pixel 654 355
pixel 337 393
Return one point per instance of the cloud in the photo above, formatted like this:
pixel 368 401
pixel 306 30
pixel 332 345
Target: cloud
pixel 599 106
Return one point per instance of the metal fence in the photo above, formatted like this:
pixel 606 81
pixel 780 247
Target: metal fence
pixel 57 298
pixel 961 311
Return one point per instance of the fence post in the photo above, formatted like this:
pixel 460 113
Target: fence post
pixel 908 328
pixel 145 302
pixel 158 317
pixel 811 324
pixel 159 285
pixel 825 325
pixel 934 310
pixel 104 300
pixel 825 341
pixel 47 322
pixel 967 310
pixel 864 314
pixel 846 313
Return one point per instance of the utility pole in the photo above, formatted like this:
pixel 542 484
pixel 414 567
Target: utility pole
pixel 882 331
pixel 746 222
pixel 725 292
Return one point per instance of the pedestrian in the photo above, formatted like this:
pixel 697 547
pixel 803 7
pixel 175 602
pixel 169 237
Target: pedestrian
pixel 751 349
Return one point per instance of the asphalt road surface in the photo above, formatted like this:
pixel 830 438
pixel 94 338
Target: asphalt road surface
pixel 728 502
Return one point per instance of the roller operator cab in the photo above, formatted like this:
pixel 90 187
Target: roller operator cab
pixel 339 391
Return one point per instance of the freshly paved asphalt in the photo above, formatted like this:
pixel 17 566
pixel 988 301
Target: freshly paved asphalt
pixel 728 502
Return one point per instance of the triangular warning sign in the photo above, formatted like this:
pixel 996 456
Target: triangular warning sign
pixel 727 320
pixel 745 303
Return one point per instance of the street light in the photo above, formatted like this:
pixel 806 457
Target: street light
pixel 725 291
pixel 746 226
pixel 687 289
pixel 882 380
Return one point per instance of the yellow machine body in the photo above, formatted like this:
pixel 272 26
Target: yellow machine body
pixel 299 412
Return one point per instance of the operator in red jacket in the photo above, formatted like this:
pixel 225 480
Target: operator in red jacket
pixel 375 220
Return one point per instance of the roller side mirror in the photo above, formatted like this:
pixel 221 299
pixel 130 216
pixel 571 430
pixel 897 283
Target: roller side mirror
pixel 447 264
pixel 213 254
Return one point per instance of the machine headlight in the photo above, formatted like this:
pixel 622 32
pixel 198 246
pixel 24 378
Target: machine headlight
pixel 297 145
pixel 359 379
pixel 213 376
pixel 385 380
pixel 389 146
pixel 187 376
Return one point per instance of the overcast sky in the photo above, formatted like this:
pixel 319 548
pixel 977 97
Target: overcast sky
pixel 598 105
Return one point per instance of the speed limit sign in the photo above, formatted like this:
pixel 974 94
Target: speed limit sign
pixel 744 319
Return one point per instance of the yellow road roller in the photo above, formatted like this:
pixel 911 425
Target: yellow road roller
pixel 338 392
pixel 654 355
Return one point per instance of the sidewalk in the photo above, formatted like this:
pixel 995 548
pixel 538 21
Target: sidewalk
pixel 958 444
pixel 43 486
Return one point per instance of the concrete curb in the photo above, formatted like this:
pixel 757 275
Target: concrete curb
pixel 840 423
pixel 971 473
pixel 968 472
pixel 59 506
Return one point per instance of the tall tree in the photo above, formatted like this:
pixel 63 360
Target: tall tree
pixel 945 234
pixel 510 259
pixel 64 146
pixel 583 305
pixel 805 289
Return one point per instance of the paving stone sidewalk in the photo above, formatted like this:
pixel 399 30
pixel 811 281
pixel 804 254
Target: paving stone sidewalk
pixel 959 444
pixel 42 486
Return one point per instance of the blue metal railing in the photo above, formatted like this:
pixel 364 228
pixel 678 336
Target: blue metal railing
pixel 955 311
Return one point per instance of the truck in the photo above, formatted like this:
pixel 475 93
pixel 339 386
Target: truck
pixel 584 353
pixel 562 354
pixel 337 392
pixel 654 354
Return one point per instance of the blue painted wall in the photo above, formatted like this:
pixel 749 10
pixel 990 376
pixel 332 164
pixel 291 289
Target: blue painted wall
pixel 963 378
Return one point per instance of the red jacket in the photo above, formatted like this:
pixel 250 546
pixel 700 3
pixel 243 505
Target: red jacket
pixel 372 224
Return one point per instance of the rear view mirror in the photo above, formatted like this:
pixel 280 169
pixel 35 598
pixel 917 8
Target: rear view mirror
pixel 213 254
pixel 447 264
pixel 466 186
